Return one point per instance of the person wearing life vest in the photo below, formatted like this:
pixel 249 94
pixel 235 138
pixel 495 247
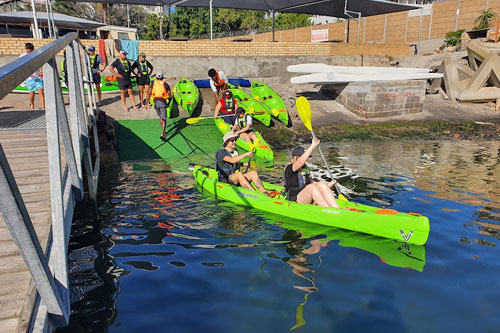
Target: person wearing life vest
pixel 227 162
pixel 64 69
pixel 95 64
pixel 121 68
pixel 162 97
pixel 299 185
pixel 227 106
pixel 243 126
pixel 218 82
pixel 144 70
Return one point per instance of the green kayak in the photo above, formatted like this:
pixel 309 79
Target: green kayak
pixel 106 86
pixel 410 228
pixel 186 95
pixel 250 105
pixel 263 152
pixel 270 98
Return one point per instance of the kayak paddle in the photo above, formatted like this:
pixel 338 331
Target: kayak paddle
pixel 304 110
pixel 197 119
pixel 252 149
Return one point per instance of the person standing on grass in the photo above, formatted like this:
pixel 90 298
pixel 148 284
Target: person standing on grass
pixel 144 70
pixel 34 82
pixel 162 97
pixel 218 82
pixel 121 68
pixel 95 64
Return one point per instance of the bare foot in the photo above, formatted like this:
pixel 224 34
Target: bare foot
pixel 125 109
pixel 143 106
pixel 32 106
pixel 135 108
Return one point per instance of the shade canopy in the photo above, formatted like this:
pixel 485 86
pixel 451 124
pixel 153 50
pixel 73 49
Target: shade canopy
pixel 333 8
pixel 60 20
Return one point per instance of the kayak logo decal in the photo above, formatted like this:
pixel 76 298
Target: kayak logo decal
pixel 330 211
pixel 248 195
pixel 406 237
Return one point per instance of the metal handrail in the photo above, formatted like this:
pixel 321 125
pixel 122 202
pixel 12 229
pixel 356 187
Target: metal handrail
pixel 15 72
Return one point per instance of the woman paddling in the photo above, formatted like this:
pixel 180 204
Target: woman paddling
pixel 298 183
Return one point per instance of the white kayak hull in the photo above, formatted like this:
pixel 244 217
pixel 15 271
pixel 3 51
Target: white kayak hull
pixel 322 68
pixel 330 78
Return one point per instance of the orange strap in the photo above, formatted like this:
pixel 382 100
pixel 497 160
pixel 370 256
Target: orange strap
pixel 386 211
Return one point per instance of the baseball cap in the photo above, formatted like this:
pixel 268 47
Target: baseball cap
pixel 298 151
pixel 123 52
pixel 159 75
pixel 142 54
pixel 91 48
pixel 229 136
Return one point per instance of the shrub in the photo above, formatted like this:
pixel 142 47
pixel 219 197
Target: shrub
pixel 453 38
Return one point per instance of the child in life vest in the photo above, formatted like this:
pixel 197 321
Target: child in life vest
pixel 243 126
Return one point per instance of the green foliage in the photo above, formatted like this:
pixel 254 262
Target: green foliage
pixel 453 37
pixel 289 21
pixel 484 19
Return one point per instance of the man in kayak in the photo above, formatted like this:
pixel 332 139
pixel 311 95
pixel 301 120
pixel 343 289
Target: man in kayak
pixel 227 105
pixel 144 70
pixel 298 183
pixel 162 97
pixel 218 82
pixel 243 126
pixel 228 164
pixel 121 68
pixel 95 64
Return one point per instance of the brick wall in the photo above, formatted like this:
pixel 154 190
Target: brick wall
pixel 15 46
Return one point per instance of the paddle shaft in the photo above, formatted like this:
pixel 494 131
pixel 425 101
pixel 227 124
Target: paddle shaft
pixel 326 164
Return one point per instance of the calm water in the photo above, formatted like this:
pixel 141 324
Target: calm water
pixel 163 257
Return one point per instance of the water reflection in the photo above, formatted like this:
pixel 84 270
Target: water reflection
pixel 162 253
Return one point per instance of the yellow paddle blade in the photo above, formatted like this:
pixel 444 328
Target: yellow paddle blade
pixel 193 120
pixel 253 145
pixel 304 110
pixel 341 197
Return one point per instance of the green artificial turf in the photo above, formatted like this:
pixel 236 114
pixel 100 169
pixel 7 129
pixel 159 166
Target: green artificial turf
pixel 196 143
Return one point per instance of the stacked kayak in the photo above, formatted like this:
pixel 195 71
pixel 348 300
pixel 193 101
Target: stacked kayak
pixel 250 105
pixel 410 228
pixel 272 100
pixel 186 95
pixel 108 85
pixel 263 153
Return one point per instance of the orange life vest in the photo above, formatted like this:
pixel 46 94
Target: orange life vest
pixel 228 108
pixel 159 90
pixel 219 82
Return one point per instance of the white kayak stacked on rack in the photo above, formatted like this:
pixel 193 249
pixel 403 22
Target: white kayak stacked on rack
pixel 325 74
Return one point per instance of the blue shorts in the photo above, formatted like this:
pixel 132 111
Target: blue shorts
pixel 34 85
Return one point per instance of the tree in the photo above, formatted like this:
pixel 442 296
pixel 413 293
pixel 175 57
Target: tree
pixel 484 19
pixel 290 21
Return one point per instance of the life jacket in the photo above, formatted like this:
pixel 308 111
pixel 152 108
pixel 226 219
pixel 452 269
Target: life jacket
pixel 159 90
pixel 303 179
pixel 242 122
pixel 63 67
pixel 229 107
pixel 144 67
pixel 225 169
pixel 125 65
pixel 219 82
pixel 93 63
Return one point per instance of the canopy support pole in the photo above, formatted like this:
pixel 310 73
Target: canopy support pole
pixel 273 13
pixel 211 23
pixel 161 22
pixel 350 14
pixel 35 20
pixel 49 25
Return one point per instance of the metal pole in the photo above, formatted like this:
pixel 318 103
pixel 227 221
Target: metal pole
pixel 359 26
pixel 48 18
pixel 161 22
pixel 54 28
pixel 35 20
pixel 211 28
pixel 169 22
pixel 273 13
pixel 128 17
pixel 458 13
pixel 420 30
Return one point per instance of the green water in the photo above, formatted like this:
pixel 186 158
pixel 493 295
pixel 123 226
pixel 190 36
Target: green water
pixel 163 257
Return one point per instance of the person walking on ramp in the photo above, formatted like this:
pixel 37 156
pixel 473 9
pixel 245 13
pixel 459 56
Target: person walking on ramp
pixel 162 97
